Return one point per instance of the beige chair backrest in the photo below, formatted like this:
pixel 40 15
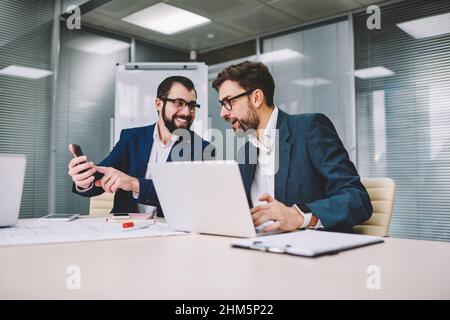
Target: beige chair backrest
pixel 382 195
pixel 102 204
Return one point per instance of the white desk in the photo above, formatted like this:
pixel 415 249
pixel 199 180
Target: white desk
pixel 205 267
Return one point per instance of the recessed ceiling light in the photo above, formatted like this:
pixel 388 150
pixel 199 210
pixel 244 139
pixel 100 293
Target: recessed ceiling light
pixel 25 72
pixel 427 27
pixel 279 55
pixel 311 82
pixel 166 19
pixel 374 72
pixel 97 44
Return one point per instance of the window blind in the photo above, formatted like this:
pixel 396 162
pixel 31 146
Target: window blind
pixel 26 41
pixel 403 116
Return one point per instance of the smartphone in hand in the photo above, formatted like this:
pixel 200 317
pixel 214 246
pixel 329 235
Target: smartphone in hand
pixel 77 152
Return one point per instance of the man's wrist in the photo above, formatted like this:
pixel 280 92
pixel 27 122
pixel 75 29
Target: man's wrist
pixel 300 218
pixel 81 189
pixel 305 217
pixel 135 186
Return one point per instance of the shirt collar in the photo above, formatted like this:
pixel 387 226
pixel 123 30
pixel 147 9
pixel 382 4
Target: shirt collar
pixel 268 137
pixel 156 137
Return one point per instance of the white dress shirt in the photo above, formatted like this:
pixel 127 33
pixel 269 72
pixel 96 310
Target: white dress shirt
pixel 159 154
pixel 264 178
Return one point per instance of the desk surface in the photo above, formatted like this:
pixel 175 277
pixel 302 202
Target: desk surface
pixel 206 267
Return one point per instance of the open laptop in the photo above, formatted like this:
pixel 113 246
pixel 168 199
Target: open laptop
pixel 12 174
pixel 204 197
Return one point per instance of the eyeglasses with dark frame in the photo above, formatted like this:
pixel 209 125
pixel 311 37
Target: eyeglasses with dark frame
pixel 226 102
pixel 181 104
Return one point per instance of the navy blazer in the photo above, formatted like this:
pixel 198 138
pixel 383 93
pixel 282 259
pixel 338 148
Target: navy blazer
pixel 314 168
pixel 131 155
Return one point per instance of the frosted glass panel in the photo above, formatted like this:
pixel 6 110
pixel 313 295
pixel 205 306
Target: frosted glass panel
pixel 312 69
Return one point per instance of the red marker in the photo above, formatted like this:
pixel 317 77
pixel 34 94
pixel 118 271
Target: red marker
pixel 133 225
pixel 129 224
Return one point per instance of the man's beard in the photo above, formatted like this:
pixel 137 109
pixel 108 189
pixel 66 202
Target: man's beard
pixel 249 123
pixel 170 123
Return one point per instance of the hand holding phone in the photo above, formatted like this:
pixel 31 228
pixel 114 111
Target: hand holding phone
pixel 81 171
pixel 76 151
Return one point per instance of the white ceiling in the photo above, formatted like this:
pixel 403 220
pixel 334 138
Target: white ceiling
pixel 232 20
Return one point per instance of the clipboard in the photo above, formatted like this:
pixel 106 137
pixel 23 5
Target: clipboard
pixel 307 243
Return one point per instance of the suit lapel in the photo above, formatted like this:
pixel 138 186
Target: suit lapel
pixel 283 150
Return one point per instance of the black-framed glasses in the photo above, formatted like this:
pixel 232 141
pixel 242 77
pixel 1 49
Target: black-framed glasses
pixel 226 102
pixel 181 104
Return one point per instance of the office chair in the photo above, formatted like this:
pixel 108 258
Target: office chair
pixel 382 195
pixel 102 204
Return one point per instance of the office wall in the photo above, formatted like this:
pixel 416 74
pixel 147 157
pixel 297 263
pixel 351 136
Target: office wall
pixel 26 41
pixel 312 69
pixel 146 52
pixel 403 120
pixel 229 53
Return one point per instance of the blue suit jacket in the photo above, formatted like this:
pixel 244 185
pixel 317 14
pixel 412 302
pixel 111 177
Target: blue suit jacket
pixel 131 155
pixel 314 168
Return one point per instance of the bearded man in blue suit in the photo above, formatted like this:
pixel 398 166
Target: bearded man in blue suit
pixel 301 175
pixel 127 170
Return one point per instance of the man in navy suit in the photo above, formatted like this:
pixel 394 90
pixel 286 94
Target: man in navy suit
pixel 301 175
pixel 126 171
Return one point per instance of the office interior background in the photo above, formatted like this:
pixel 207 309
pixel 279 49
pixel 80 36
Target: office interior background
pixel 386 90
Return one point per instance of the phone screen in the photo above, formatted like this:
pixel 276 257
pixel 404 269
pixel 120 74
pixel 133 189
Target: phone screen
pixel 77 152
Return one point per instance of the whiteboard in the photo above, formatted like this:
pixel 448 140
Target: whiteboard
pixel 136 85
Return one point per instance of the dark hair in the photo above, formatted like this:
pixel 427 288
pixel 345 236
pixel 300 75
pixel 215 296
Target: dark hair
pixel 249 75
pixel 165 86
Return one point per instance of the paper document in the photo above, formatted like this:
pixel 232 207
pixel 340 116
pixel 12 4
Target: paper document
pixel 33 231
pixel 307 243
